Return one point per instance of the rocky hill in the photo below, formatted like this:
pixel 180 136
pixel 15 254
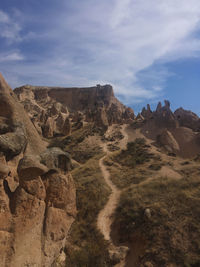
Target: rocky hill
pixel 84 182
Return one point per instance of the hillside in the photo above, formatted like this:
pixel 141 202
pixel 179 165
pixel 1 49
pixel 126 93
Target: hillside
pixel 85 182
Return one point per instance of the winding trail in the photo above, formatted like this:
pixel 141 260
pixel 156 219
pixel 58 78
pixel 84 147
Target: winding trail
pixel 104 219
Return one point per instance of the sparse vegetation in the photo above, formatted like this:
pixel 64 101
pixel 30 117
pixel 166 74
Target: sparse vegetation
pixel 136 153
pixel 172 232
pixel 88 247
pixel 129 166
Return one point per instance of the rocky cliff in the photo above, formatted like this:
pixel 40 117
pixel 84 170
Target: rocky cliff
pixel 37 193
pixel 52 110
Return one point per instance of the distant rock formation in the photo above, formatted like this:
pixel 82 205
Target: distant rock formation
pixel 50 108
pixel 187 118
pixel 147 113
pixel 176 132
pixel 37 193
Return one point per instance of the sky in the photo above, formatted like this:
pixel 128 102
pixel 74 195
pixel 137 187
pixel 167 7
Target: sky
pixel 148 50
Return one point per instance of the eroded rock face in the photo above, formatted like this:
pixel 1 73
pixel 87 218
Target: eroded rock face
pixel 177 132
pixel 164 117
pixel 187 118
pixel 167 140
pixel 54 110
pixel 37 193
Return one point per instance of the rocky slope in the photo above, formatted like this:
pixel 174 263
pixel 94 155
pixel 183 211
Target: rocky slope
pixel 40 126
pixel 177 132
pixel 37 193
pixel 53 110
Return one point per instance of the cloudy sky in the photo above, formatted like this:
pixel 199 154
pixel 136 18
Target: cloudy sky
pixel 149 50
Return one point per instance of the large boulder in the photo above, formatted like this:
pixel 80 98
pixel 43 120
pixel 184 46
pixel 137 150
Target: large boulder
pixel 167 140
pixel 30 167
pixel 13 143
pixel 56 159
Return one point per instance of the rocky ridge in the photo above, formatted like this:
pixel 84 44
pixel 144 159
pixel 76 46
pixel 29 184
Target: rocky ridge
pixel 53 110
pixel 177 132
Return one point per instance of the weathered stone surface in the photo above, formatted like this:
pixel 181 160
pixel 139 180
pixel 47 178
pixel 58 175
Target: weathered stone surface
pixel 30 167
pixel 60 191
pixel 167 140
pixel 4 170
pixel 56 228
pixel 13 143
pixel 29 214
pixel 96 104
pixel 147 113
pixel 28 187
pixel 187 118
pixel 56 159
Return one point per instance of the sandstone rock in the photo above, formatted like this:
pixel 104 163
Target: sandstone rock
pixel 27 223
pixel 147 113
pixel 59 191
pixel 164 117
pixel 167 140
pixel 34 187
pixel 56 159
pixel 29 214
pixel 66 130
pixel 57 225
pixel 98 104
pixel 187 118
pixel 30 167
pixel 13 143
pixel 4 170
pixel 47 128
pixel 20 127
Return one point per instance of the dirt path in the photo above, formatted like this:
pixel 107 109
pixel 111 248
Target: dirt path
pixel 104 219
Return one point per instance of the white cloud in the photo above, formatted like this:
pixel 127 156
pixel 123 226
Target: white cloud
pixel 4 18
pixel 115 41
pixel 10 29
pixel 12 56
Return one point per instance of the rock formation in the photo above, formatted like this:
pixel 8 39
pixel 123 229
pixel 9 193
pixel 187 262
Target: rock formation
pixel 51 108
pixel 37 193
pixel 167 140
pixel 176 132
pixel 187 118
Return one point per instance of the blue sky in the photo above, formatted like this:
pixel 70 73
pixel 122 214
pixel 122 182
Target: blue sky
pixel 148 50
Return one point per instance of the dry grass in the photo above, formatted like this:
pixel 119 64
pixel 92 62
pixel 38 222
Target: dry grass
pixel 133 165
pixel 172 232
pixel 88 247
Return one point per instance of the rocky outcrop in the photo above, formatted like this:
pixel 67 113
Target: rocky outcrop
pixel 147 113
pixel 187 118
pixel 53 110
pixel 176 132
pixel 167 140
pixel 37 193
pixel 164 117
